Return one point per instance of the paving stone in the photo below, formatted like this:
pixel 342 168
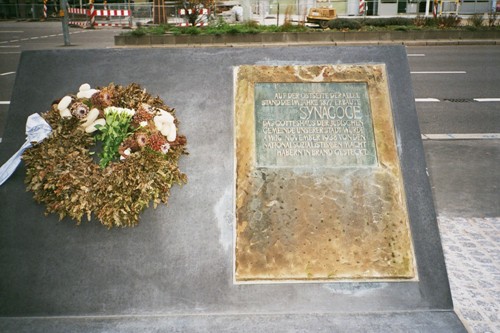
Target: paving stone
pixel 471 255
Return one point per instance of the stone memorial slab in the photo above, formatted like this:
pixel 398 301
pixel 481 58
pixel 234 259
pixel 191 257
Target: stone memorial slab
pixel 365 190
pixel 319 188
pixel 313 125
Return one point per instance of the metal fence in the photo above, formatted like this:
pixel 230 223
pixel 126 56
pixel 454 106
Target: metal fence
pixel 35 11
pixel 142 13
pixel 21 11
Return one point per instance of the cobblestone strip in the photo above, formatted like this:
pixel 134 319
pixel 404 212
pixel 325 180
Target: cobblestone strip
pixel 472 253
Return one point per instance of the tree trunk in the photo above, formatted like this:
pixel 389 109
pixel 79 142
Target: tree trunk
pixel 159 12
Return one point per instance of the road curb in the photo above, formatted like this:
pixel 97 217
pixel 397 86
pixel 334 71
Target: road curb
pixel 304 44
pixel 410 38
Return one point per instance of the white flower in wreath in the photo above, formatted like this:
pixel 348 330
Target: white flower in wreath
pixel 164 123
pixel 92 120
pixel 127 152
pixel 165 148
pixel 63 107
pixel 114 109
pixel 85 91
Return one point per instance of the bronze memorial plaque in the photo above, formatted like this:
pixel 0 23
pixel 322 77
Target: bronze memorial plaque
pixel 319 191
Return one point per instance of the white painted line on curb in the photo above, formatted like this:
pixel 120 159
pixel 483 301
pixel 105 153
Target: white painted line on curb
pixel 426 100
pixel 4 102
pixel 470 136
pixel 11 31
pixel 487 99
pixel 416 55
pixel 440 72
pixel 7 73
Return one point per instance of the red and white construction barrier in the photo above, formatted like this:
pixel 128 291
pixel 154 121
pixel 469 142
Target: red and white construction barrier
pixel 112 12
pixel 435 8
pixel 109 13
pixel 362 7
pixel 78 11
pixel 105 3
pixel 202 11
pixel 44 9
pixel 99 24
pixel 92 14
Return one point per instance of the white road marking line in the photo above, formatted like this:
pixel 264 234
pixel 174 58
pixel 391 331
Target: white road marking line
pixel 10 52
pixel 416 55
pixel 465 136
pixel 7 73
pixel 28 38
pixel 427 100
pixel 9 46
pixel 487 99
pixel 439 72
pixel 10 31
pixel 4 102
pixel 482 100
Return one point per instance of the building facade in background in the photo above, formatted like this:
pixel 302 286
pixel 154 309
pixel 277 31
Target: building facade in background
pixel 374 7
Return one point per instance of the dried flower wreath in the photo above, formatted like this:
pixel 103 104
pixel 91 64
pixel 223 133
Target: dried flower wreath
pixel 135 135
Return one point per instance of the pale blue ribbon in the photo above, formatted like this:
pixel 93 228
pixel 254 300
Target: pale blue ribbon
pixel 37 129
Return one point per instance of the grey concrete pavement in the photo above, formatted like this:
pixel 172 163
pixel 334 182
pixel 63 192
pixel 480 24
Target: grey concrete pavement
pixel 464 174
pixel 464 177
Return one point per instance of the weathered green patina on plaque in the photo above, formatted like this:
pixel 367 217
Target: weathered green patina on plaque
pixel 319 190
pixel 313 125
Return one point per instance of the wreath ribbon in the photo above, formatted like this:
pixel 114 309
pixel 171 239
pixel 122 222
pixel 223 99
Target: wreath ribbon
pixel 37 129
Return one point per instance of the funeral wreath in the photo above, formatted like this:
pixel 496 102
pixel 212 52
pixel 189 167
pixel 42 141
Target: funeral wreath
pixel 112 152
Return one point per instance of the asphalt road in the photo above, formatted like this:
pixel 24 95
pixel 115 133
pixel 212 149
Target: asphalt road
pixel 457 91
pixel 16 37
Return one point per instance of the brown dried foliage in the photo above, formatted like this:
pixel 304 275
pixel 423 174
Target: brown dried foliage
pixel 62 174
